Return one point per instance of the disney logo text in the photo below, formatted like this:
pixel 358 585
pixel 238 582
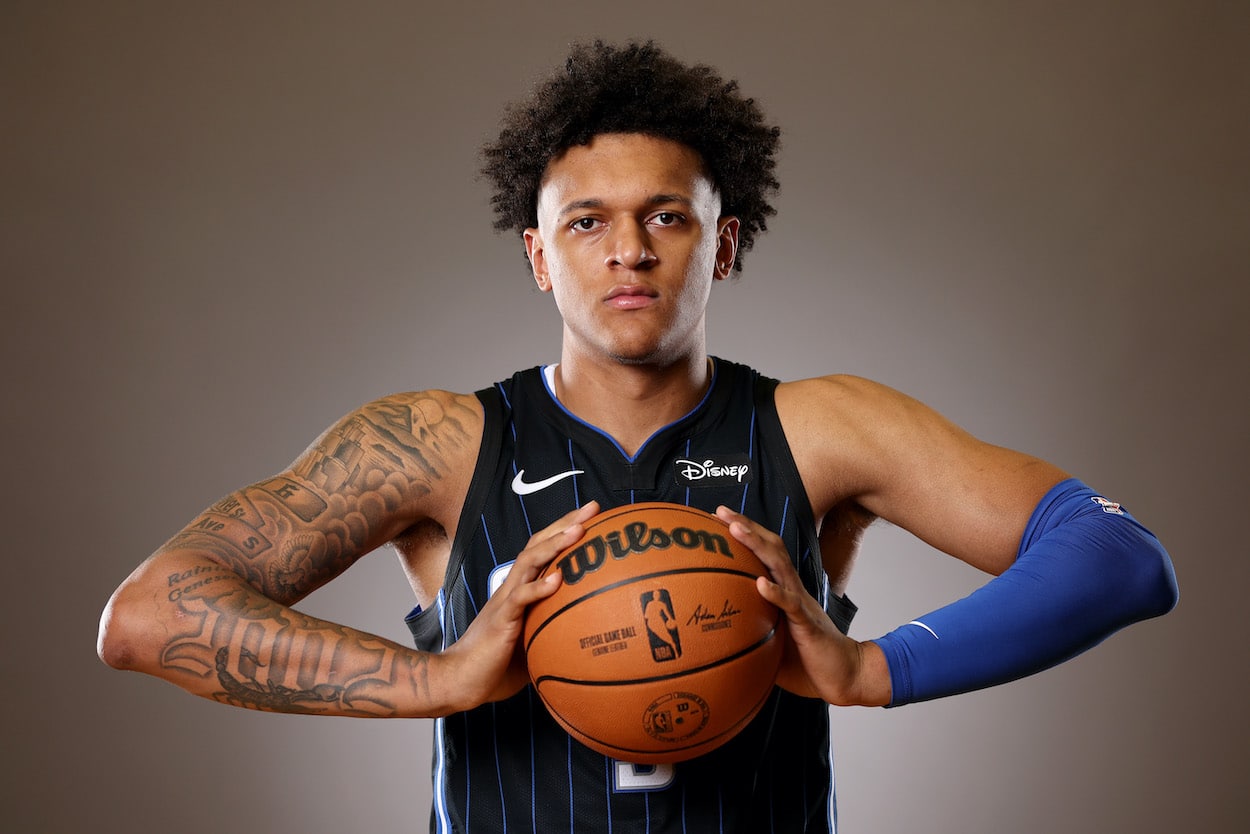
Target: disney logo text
pixel 695 471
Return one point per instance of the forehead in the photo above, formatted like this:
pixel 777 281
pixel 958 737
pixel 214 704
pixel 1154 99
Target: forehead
pixel 622 166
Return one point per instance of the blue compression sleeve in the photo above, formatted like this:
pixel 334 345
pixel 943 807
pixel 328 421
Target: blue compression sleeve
pixel 1085 569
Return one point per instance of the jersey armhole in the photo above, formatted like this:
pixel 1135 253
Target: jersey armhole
pixel 483 478
pixel 775 438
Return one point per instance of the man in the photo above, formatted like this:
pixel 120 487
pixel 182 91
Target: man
pixel 635 183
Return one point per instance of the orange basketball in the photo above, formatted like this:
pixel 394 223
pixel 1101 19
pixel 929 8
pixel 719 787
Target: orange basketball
pixel 657 646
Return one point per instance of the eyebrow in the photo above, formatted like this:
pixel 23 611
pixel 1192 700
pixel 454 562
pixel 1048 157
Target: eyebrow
pixel 653 200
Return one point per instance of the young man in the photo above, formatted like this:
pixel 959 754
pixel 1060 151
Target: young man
pixel 635 182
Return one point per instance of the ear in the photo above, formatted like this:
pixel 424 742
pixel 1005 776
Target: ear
pixel 538 259
pixel 726 246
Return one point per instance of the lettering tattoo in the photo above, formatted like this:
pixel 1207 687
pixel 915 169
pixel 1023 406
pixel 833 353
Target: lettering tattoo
pixel 268 545
pixel 193 580
pixel 266 656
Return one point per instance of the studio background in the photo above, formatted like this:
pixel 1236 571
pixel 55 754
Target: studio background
pixel 227 224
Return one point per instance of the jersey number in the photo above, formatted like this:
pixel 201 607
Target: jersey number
pixel 629 777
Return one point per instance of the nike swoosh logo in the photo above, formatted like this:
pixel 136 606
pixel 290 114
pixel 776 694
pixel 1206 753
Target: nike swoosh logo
pixel 520 487
pixel 926 628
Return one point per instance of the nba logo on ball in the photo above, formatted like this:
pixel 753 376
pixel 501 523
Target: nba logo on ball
pixel 661 625
pixel 657 647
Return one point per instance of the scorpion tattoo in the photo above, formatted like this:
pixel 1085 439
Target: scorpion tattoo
pixel 270 695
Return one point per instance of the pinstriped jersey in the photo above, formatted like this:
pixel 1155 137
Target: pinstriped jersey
pixel 508 766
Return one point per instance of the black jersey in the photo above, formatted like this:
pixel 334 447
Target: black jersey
pixel 507 766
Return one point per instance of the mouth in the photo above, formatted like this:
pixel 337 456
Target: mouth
pixel 632 297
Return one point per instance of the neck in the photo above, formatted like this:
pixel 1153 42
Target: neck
pixel 632 402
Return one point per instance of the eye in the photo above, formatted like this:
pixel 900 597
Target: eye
pixel 584 224
pixel 667 218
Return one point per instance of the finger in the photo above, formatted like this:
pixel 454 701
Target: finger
pixel 764 543
pixel 547 543
pixel 542 548
pixel 730 516
pixel 581 514
pixel 531 592
pixel 789 601
pixel 753 535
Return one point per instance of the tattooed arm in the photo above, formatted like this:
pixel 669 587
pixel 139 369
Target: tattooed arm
pixel 210 610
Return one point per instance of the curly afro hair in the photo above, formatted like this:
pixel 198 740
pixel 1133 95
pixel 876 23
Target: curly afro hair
pixel 636 88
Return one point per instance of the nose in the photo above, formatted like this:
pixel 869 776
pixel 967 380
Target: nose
pixel 629 247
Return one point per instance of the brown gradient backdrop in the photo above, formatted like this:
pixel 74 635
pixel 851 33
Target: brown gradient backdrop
pixel 224 225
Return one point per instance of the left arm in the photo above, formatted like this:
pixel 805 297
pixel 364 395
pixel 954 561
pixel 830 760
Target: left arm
pixel 1071 573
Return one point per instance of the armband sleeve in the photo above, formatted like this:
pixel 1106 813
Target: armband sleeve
pixel 1085 569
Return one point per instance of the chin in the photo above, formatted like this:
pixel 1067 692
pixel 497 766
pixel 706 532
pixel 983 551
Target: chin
pixel 647 349
pixel 655 357
pixel 632 359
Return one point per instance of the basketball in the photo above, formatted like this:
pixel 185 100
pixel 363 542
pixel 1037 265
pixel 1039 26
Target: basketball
pixel 657 646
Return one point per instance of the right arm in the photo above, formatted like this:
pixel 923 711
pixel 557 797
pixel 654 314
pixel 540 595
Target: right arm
pixel 211 612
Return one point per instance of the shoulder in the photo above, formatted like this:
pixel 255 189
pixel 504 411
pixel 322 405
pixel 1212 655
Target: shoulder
pixel 844 390
pixel 850 435
pixel 421 444
pixel 842 402
pixel 413 412
pixel 845 406
pixel 412 420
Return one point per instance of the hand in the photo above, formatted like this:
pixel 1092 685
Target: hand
pixel 819 661
pixel 487 663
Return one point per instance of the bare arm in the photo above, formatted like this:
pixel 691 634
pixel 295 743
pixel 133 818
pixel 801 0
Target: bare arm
pixel 210 610
pixel 863 443
pixel 900 460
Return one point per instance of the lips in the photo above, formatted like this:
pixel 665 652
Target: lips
pixel 630 297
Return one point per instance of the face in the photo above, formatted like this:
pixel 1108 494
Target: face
pixel 629 241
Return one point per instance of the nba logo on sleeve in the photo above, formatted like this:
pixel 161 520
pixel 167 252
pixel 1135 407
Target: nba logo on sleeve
pixel 1108 506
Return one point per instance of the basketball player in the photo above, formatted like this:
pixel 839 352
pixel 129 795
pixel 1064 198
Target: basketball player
pixel 635 182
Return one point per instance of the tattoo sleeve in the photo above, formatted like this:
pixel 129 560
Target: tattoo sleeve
pixel 262 655
pixel 234 570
